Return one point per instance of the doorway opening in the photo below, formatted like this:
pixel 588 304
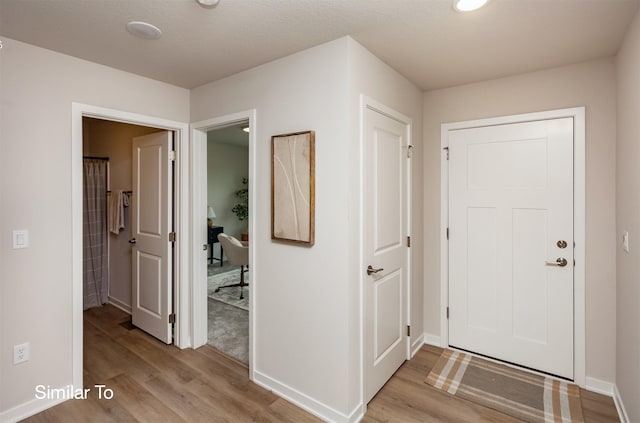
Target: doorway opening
pixel 200 187
pixel 228 273
pixel 182 326
pixel 109 144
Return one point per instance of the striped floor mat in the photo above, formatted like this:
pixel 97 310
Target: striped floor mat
pixel 520 394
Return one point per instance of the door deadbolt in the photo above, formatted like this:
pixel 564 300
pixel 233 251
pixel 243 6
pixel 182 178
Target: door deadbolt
pixel 562 244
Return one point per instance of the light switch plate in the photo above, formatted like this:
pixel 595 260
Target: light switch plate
pixel 20 239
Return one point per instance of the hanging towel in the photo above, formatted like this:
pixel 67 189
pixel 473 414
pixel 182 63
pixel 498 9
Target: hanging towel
pixel 116 210
pixel 126 198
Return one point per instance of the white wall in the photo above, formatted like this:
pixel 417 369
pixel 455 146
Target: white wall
pixel 226 166
pixel 301 293
pixel 590 84
pixel 37 87
pixel 628 218
pixel 114 140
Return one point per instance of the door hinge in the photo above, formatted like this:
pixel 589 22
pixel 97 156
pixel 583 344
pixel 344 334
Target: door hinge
pixel 409 150
pixel 172 237
pixel 447 233
pixel 408 241
pixel 408 330
pixel 172 155
pixel 447 313
pixel 446 150
pixel 172 318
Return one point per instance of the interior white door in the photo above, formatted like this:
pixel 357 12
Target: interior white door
pixel 385 247
pixel 152 221
pixel 511 243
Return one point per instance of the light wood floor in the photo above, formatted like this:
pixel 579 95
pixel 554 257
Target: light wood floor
pixel 154 382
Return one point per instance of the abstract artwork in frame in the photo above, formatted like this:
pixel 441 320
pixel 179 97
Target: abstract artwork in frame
pixel 293 188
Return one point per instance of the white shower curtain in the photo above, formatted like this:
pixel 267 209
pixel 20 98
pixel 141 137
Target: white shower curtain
pixel 95 267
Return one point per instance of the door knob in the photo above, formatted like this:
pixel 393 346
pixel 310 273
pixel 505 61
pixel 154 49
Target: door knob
pixel 205 247
pixel 371 270
pixel 560 261
pixel 132 241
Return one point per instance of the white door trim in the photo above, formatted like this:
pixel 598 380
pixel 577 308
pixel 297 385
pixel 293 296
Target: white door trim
pixel 198 174
pixel 182 335
pixel 369 103
pixel 579 222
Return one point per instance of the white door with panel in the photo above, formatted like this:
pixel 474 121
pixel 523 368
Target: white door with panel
pixel 152 222
pixel 511 243
pixel 385 248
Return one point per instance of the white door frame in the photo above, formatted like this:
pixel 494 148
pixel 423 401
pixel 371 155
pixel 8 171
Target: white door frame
pixel 371 104
pixel 579 222
pixel 182 297
pixel 198 174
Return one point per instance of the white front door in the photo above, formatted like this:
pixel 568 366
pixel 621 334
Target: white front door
pixel 152 221
pixel 511 243
pixel 385 248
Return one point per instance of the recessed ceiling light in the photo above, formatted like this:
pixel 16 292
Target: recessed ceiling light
pixel 208 3
pixel 468 5
pixel 144 30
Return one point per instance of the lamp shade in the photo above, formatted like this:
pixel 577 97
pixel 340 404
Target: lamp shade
pixel 210 213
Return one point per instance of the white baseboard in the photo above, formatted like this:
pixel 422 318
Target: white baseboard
pixel 28 409
pixel 622 412
pixel 119 304
pixel 434 340
pixel 307 403
pixel 599 386
pixel 611 390
pixel 416 345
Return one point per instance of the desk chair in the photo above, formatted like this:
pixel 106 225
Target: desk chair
pixel 238 255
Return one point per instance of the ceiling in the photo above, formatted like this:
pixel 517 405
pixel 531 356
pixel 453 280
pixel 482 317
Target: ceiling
pixel 232 134
pixel 425 40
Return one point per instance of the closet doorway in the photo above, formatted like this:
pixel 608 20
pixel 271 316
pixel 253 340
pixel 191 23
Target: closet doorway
pixel 127 220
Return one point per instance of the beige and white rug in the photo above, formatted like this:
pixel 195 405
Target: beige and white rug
pixel 526 396
pixel 229 296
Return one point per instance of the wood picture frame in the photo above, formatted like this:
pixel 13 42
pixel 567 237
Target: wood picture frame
pixel 293 188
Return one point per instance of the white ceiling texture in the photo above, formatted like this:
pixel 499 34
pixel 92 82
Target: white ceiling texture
pixel 425 40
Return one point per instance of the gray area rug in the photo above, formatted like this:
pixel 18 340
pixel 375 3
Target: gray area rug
pixel 228 329
pixel 228 316
pixel 229 296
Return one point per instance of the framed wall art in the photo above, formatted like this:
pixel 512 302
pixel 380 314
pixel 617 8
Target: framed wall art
pixel 293 188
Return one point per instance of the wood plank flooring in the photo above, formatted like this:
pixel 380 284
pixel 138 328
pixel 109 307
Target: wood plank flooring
pixel 154 382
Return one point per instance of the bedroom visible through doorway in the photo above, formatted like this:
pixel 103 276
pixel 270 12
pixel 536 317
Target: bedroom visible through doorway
pixel 228 273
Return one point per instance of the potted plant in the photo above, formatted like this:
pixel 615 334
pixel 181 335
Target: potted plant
pixel 241 209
